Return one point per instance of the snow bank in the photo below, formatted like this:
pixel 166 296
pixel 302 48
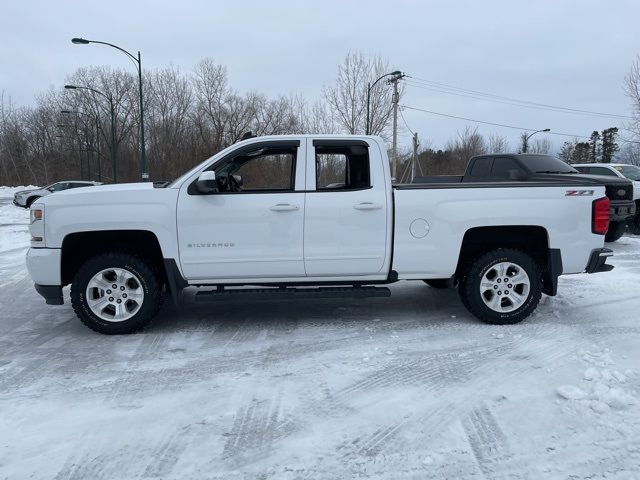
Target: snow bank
pixel 603 387
pixel 8 192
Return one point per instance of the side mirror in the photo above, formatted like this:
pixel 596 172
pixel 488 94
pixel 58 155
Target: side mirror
pixel 206 182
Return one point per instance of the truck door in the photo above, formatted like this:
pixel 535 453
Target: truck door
pixel 346 209
pixel 254 228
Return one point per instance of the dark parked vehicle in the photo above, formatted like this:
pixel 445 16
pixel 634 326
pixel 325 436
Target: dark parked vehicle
pixel 545 168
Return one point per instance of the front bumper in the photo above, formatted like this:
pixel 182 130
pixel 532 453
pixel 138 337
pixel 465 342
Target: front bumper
pixel 622 210
pixel 598 261
pixel 44 265
pixel 17 203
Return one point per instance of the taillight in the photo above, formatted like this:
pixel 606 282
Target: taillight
pixel 600 216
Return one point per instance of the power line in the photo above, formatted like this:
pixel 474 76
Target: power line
pixel 502 124
pixel 453 90
pixel 405 123
pixel 534 107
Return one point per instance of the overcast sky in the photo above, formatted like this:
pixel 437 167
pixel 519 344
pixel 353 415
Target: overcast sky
pixel 567 53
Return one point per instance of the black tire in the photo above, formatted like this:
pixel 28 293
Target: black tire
pixel 439 283
pixel 634 224
pixel 148 279
pixel 616 230
pixel 472 297
pixel 30 201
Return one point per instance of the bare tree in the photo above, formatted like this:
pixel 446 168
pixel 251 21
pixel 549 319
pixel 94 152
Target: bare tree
pixel 632 89
pixel 540 145
pixel 347 98
pixel 466 144
pixel 497 143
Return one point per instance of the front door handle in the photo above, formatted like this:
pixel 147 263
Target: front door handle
pixel 367 206
pixel 283 207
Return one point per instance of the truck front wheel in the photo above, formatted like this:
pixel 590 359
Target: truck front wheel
pixel 116 293
pixel 502 287
pixel 616 230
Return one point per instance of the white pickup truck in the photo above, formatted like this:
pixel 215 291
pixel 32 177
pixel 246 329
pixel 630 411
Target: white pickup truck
pixel 310 216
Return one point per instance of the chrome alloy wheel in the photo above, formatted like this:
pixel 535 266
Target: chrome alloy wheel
pixel 115 294
pixel 505 287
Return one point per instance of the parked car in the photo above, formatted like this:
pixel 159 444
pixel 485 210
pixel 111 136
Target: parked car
pixel 25 198
pixel 544 168
pixel 621 170
pixel 311 211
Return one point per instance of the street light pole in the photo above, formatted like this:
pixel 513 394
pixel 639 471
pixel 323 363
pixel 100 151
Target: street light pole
pixel 397 74
pixel 525 144
pixel 112 112
pixel 138 61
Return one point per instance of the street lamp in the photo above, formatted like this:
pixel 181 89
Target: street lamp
pixel 113 125
pixel 97 121
pixel 525 144
pixel 370 86
pixel 138 61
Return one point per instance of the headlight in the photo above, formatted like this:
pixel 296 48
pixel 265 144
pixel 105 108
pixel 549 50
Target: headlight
pixel 37 214
pixel 36 228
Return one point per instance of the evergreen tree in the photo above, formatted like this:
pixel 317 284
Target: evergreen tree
pixel 566 152
pixel 581 153
pixel 609 144
pixel 595 146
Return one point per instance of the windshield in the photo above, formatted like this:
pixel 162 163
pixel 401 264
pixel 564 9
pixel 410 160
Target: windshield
pixel 629 171
pixel 547 164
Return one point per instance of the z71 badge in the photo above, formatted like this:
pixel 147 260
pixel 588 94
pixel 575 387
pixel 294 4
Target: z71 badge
pixel 578 193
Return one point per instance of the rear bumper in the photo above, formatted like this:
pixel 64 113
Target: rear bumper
pixel 51 293
pixel 598 261
pixel 16 203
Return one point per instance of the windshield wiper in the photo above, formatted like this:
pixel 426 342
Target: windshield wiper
pixel 552 171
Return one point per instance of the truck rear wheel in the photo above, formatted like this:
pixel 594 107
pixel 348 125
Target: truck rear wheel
pixel 634 224
pixel 616 230
pixel 116 293
pixel 502 287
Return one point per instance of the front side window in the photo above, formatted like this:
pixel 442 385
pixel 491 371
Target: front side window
pixel 342 168
pixel 264 169
pixel 56 187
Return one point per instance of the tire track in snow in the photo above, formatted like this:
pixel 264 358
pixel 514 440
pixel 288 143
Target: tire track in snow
pixel 488 443
pixel 165 457
pixel 437 417
pixel 256 427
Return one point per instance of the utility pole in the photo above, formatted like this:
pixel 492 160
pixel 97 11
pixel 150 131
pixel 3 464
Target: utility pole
pixel 414 160
pixel 394 100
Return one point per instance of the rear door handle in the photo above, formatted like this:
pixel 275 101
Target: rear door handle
pixel 283 207
pixel 367 206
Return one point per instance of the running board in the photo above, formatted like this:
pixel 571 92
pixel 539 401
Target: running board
pixel 290 293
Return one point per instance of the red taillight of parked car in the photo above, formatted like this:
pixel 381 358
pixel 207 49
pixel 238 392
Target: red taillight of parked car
pixel 600 216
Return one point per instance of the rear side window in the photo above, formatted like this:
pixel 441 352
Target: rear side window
pixel 481 167
pixel 505 168
pixel 342 168
pixel 602 171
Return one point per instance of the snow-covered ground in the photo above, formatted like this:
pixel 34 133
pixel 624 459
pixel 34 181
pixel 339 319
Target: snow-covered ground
pixel 406 387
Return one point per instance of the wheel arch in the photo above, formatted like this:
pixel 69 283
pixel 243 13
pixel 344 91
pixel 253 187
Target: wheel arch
pixel 78 247
pixel 530 239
